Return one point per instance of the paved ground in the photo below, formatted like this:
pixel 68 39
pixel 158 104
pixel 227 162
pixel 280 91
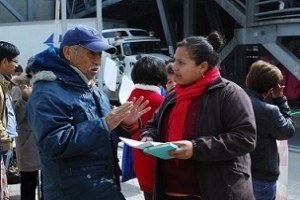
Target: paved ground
pixel 130 189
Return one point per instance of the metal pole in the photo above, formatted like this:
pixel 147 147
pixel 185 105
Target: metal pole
pixel 99 21
pixel 166 28
pixel 63 16
pixel 56 23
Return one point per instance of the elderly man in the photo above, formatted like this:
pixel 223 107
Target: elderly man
pixel 75 128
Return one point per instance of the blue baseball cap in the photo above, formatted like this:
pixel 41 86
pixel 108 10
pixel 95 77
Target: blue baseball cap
pixel 87 37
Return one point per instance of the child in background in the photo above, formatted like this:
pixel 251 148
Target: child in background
pixel 171 82
pixel 148 74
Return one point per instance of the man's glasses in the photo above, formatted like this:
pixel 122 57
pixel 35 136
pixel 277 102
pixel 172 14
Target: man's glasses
pixel 15 61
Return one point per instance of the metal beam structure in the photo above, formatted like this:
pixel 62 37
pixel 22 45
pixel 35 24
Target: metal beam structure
pixel 215 18
pixel 232 9
pixel 188 18
pixel 29 10
pixel 166 27
pixel 12 10
pixel 79 9
pixel 255 24
pixel 285 57
pixel 268 35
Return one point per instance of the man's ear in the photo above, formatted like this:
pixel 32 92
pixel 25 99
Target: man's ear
pixel 246 81
pixel 267 93
pixel 4 61
pixel 67 52
pixel 270 91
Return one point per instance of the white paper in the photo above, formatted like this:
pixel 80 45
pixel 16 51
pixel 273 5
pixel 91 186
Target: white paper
pixel 125 89
pixel 139 144
pixel 110 74
pixel 283 168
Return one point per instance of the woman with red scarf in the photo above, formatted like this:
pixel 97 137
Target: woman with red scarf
pixel 212 122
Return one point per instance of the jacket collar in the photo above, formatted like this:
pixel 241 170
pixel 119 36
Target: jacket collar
pixel 6 83
pixel 254 94
pixel 50 66
pixel 218 83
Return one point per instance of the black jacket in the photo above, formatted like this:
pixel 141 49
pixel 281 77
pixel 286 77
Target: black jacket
pixel 225 135
pixel 273 123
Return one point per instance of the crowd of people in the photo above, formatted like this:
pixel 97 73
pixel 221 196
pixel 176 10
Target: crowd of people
pixel 65 126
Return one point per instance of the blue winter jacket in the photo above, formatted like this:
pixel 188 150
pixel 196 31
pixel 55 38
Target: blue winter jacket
pixel 78 153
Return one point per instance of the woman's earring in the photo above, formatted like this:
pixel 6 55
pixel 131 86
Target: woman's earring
pixel 202 75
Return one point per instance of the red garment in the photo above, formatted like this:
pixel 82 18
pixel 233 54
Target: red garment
pixel 144 164
pixel 292 85
pixel 184 97
pixel 176 171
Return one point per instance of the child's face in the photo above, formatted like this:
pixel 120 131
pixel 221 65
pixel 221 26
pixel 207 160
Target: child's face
pixel 171 82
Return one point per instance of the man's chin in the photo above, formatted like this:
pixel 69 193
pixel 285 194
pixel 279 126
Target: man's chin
pixel 91 75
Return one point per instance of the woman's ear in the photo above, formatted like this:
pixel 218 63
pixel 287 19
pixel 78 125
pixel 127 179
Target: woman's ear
pixel 203 67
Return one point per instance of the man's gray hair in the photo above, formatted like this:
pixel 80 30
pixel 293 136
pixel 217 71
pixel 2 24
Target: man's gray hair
pixel 75 49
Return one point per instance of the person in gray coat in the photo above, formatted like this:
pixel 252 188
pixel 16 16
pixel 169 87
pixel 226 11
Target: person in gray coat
pixel 27 153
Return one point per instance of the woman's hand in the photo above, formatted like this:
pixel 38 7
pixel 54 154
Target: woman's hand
pixel 185 150
pixel 147 139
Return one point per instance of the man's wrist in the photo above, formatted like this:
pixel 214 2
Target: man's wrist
pixel 134 126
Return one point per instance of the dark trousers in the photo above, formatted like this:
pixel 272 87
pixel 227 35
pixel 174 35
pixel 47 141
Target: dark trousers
pixel 148 196
pixel 29 183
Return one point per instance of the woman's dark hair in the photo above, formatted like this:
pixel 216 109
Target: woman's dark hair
pixel 263 76
pixel 28 71
pixel 19 68
pixel 149 70
pixel 204 48
pixel 8 51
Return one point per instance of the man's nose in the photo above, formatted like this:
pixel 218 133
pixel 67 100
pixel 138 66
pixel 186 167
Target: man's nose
pixel 97 61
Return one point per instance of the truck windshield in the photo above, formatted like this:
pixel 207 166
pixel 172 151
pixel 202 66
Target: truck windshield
pixel 133 48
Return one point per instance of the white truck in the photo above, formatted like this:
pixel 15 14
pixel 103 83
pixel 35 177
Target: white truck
pixel 131 44
pixel 34 37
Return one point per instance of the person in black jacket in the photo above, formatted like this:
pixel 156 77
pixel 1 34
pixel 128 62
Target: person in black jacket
pixel 273 122
pixel 212 122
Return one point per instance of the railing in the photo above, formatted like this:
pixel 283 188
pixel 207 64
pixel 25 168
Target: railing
pixel 241 4
pixel 80 5
pixel 263 12
pixel 274 9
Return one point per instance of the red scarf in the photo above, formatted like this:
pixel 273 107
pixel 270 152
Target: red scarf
pixel 184 97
